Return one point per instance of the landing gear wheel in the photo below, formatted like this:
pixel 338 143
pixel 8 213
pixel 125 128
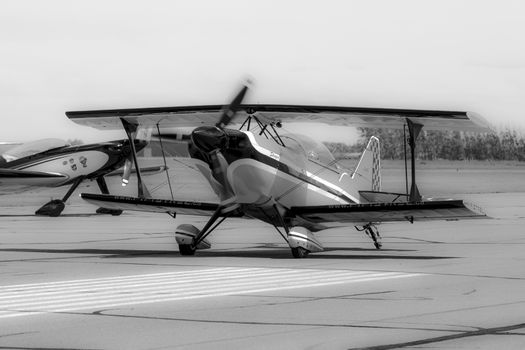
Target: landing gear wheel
pixel 299 252
pixel 114 212
pixel 52 208
pixel 375 236
pixel 372 232
pixel 186 249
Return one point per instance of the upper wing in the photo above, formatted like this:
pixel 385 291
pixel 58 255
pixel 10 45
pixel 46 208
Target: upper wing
pixel 380 212
pixel 23 178
pixel 193 116
pixel 150 204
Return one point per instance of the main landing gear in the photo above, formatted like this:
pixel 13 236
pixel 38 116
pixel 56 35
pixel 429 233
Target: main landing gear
pixel 190 238
pixel 372 232
pixel 186 237
pixel 300 252
pixel 300 240
pixel 55 207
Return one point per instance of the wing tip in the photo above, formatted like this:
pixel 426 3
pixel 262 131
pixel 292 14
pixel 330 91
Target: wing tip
pixel 480 121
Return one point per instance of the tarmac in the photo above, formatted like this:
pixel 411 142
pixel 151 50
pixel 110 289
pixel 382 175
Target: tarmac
pixel 86 281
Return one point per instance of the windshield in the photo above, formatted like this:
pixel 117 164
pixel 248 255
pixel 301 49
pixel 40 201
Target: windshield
pixel 314 150
pixel 31 148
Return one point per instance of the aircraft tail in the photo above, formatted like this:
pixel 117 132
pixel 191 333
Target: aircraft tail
pixel 367 174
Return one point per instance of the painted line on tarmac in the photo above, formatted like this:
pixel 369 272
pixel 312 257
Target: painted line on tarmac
pixel 95 293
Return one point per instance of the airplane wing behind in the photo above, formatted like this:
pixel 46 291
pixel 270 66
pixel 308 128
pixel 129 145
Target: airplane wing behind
pixel 447 209
pixel 193 116
pixel 15 178
pixel 143 170
pixel 150 204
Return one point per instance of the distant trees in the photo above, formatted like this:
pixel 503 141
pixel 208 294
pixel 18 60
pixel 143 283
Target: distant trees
pixel 452 145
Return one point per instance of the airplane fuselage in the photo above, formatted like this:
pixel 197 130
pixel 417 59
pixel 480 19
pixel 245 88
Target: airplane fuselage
pixel 69 163
pixel 290 174
pixel 264 174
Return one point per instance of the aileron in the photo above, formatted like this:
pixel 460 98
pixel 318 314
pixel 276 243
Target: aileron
pixel 379 212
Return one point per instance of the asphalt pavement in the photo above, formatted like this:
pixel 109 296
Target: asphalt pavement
pixel 86 281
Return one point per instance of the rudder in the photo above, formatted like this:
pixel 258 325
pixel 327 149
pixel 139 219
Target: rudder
pixel 368 171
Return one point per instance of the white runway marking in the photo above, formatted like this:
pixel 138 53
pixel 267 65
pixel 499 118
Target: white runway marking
pixel 97 293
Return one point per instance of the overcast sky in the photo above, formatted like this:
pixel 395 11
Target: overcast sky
pixel 74 55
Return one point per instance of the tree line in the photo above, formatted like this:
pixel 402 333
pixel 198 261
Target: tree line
pixel 431 145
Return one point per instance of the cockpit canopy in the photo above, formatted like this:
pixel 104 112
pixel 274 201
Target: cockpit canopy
pixel 32 148
pixel 313 150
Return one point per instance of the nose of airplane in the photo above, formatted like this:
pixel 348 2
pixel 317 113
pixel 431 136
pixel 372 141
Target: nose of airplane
pixel 209 138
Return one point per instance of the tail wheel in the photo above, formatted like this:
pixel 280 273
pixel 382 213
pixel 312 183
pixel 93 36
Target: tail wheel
pixel 372 232
pixel 375 237
pixel 186 249
pixel 299 252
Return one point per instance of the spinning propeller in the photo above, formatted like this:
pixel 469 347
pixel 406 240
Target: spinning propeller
pixel 212 140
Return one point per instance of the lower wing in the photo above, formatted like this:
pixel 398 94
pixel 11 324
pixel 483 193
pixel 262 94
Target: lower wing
pixel 447 209
pixel 150 204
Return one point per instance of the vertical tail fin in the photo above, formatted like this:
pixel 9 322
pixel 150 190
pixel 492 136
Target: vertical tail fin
pixel 367 174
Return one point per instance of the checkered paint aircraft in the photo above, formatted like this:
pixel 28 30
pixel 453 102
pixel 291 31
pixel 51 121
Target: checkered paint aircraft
pixel 287 180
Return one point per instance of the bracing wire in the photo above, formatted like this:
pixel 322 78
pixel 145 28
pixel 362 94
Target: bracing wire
pixel 165 165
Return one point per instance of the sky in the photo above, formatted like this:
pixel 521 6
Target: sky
pixel 60 55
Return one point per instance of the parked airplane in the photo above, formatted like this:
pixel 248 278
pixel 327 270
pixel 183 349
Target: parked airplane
pixel 52 163
pixel 287 180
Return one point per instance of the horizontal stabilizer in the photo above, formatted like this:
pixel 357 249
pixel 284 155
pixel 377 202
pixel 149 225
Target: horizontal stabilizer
pixel 150 204
pixel 380 212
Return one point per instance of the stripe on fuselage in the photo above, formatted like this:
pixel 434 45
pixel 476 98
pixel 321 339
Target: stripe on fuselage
pixel 257 188
pixel 313 182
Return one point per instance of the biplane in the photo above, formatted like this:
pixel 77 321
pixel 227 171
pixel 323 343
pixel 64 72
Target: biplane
pixel 53 163
pixel 287 180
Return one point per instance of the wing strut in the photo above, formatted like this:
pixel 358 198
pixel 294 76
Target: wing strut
pixel 131 131
pixel 405 156
pixel 413 130
pixel 164 158
pixel 263 126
